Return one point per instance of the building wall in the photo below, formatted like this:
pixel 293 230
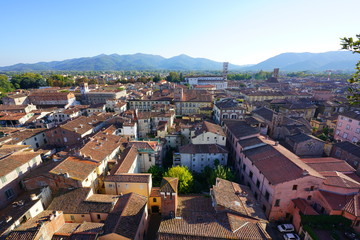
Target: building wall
pixel 190 108
pixel 197 162
pixel 268 193
pixel 10 183
pixel 345 155
pixel 118 188
pixel 77 218
pixel 168 204
pixel 60 137
pixel 36 141
pixel 307 148
pixel 347 129
pixel 209 138
pixel 147 160
pixel 15 101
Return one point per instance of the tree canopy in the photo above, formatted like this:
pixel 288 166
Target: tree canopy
pixel 173 77
pixel 185 178
pixel 157 174
pixel 57 80
pixel 28 80
pixel 219 172
pixel 5 84
pixel 354 46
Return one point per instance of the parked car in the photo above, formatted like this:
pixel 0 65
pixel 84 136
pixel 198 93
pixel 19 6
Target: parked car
pixel 291 236
pixel 286 228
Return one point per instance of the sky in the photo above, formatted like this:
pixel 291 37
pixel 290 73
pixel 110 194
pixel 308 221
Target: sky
pixel 238 31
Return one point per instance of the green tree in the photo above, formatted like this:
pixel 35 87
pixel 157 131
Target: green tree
pixel 57 80
pixel 157 174
pixel 354 89
pixel 28 80
pixel 5 84
pixel 185 178
pixel 156 78
pixel 219 172
pixel 262 75
pixel 173 77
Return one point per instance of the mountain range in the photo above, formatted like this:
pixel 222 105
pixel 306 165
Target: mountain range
pixel 335 60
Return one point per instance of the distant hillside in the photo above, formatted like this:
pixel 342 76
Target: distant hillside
pixel 115 62
pixel 336 60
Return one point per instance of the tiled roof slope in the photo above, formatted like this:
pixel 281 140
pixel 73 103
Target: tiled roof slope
pixel 126 217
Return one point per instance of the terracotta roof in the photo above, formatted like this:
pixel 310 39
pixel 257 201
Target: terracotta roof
pixel 101 145
pixel 304 206
pixel 210 127
pixel 238 198
pixel 240 129
pixel 169 184
pixel 265 113
pixel 84 124
pixel 302 137
pixel 12 107
pixel 276 167
pixel 249 142
pixel 202 148
pixel 129 177
pixel 127 158
pixel 338 179
pixel 77 168
pixel 149 145
pixel 228 104
pixel 8 149
pixel 204 86
pixel 349 147
pixel 15 160
pixel 126 217
pixel 81 201
pixel 349 203
pixel 328 164
pixel 196 219
pixel 351 114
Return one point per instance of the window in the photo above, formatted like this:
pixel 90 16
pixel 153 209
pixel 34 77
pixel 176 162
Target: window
pixel 267 195
pixel 345 135
pixel 277 203
pixel 251 174
pixel 309 197
pixel 154 200
pixel 3 179
pixel 9 193
pixel 358 130
pixel 347 126
pixel 294 187
pixel 244 167
pixel 355 140
pixel 82 215
pixel 258 183
pixel 98 216
pixel 312 188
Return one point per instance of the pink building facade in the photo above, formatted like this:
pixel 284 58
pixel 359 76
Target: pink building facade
pixel 275 175
pixel 348 127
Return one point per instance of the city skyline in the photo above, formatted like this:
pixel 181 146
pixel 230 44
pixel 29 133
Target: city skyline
pixel 239 32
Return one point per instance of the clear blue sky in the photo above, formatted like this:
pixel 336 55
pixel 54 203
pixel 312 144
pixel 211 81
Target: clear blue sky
pixel 238 31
